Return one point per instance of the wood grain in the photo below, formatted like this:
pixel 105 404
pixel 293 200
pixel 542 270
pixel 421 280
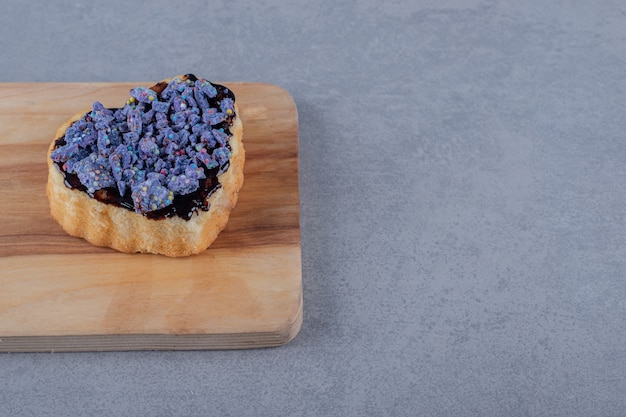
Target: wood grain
pixel 58 292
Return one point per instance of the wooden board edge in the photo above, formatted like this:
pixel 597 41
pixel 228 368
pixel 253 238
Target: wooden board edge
pixel 153 342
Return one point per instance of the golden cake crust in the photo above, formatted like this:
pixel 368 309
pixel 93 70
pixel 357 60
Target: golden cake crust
pixel 112 226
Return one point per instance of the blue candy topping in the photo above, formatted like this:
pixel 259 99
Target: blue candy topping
pixel 160 145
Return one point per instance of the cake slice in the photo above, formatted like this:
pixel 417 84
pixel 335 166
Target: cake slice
pixel 159 175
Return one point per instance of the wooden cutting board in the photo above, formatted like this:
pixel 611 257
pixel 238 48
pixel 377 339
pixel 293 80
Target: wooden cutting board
pixel 60 293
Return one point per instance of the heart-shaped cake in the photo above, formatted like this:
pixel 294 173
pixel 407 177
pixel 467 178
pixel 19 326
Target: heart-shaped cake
pixel 159 175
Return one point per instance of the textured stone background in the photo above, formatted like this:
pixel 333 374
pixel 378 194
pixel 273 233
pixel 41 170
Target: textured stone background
pixel 462 186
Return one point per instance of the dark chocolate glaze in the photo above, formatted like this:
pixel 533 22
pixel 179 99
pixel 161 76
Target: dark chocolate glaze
pixel 183 206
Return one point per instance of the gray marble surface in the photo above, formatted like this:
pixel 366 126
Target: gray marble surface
pixel 463 166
